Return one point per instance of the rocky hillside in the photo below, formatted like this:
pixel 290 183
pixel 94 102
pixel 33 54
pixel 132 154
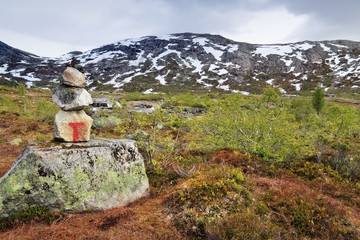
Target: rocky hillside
pixel 188 61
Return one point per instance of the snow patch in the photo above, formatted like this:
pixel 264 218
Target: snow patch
pixel 167 37
pixel 224 87
pixel 195 63
pixel 223 71
pixel 297 86
pixel 244 93
pixel 338 45
pixel 149 91
pixel 97 57
pixel 326 49
pixel 138 61
pixel 266 50
pixel 291 50
pixel 29 76
pixel 200 40
pixel 287 62
pixel 200 81
pixel 216 53
pixel 163 54
pixel 161 78
pixel 3 68
pixel 281 90
pixel 270 82
pixel 130 41
pixel 232 48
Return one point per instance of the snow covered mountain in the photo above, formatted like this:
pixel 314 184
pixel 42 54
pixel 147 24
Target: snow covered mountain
pixel 188 61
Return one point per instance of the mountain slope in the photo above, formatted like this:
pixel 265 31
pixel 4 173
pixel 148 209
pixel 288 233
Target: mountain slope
pixel 198 61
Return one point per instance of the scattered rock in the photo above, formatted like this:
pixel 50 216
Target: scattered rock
pixel 71 98
pixel 72 126
pixel 73 77
pixel 74 177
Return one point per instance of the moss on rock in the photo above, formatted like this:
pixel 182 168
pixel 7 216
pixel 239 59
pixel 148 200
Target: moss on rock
pixel 96 175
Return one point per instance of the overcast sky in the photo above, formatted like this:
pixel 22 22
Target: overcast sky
pixel 52 28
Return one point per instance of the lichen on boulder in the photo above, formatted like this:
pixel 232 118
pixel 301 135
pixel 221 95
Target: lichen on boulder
pixel 74 177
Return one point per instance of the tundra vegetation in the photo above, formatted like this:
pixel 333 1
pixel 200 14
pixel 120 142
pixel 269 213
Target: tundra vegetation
pixel 221 166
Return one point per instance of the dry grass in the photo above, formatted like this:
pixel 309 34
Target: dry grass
pixel 144 219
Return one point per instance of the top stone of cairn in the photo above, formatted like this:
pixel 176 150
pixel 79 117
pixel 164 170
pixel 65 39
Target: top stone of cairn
pixel 73 77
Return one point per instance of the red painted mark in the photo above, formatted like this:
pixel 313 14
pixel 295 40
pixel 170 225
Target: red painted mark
pixel 75 127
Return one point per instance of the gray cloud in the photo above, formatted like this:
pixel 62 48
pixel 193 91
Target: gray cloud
pixel 68 25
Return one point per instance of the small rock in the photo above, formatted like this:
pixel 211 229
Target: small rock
pixel 72 126
pixel 73 77
pixel 71 98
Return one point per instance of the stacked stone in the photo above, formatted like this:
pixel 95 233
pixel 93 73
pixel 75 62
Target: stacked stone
pixel 72 124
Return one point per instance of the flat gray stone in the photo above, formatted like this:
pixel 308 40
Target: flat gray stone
pixel 71 98
pixel 74 177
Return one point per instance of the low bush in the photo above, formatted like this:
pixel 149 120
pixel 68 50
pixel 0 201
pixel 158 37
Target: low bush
pixel 38 214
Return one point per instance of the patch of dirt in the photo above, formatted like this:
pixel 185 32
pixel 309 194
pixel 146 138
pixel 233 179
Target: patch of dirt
pixel 15 133
pixel 9 153
pixel 144 219
pixel 13 127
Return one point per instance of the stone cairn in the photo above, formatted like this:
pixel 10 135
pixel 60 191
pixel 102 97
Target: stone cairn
pixel 77 176
pixel 72 124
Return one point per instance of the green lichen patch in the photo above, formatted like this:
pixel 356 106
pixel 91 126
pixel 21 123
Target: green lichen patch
pixel 74 180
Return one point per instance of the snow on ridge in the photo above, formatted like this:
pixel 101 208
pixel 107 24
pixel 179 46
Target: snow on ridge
pixel 65 58
pixel 195 63
pixel 161 78
pixel 113 79
pixel 287 62
pixel 200 40
pixel 326 49
pixel 97 57
pixel 232 47
pixel 167 37
pixel 30 76
pixel 216 53
pixel 3 68
pixel 284 50
pixel 127 80
pixel 140 59
pixel 163 54
pixel 217 69
pixel 266 50
pixel 338 45
pixel 200 81
pixel 130 41
pixel 304 46
pixel 223 71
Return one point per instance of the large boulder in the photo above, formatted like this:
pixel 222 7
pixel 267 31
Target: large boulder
pixel 73 77
pixel 74 177
pixel 72 126
pixel 71 98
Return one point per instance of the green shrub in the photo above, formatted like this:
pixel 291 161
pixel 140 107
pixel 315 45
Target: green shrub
pixel 38 214
pixel 318 100
pixel 263 127
pixel 189 100
pixel 45 111
pixel 215 193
